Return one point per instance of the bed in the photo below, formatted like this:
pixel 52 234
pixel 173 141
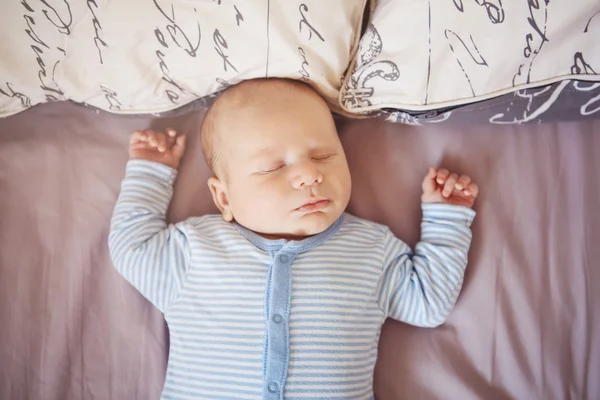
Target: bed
pixel 527 322
pixel 526 325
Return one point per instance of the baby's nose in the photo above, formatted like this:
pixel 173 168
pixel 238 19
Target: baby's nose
pixel 307 177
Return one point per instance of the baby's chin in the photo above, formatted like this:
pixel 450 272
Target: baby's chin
pixel 311 224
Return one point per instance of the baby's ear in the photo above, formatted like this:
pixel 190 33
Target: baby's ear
pixel 219 194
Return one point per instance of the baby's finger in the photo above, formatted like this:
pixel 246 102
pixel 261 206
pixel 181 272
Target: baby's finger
pixel 449 185
pixel 428 184
pixel 442 175
pixel 472 190
pixel 463 182
pixel 171 136
pixel 137 136
pixel 157 140
pixel 161 138
pixel 150 137
pixel 179 147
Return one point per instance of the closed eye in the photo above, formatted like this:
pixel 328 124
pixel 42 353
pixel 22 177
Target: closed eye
pixel 274 168
pixel 323 157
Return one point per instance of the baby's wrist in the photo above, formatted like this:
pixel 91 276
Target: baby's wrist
pixel 143 168
pixel 174 166
pixel 149 163
pixel 448 212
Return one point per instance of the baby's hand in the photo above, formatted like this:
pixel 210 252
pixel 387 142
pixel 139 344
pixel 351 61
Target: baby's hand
pixel 446 188
pixel 165 148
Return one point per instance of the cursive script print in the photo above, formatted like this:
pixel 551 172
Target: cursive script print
pixel 305 76
pixel 426 101
pixel 43 52
pixel 10 92
pixel 223 84
pixel 580 66
pixel 540 100
pixel 592 106
pixel 534 108
pixel 188 42
pixel 52 93
pixel 407 119
pixel 534 41
pixel 220 47
pixel 474 54
pixel 477 58
pixel 494 9
pixel 111 98
pixel 587 26
pixel 238 15
pixel 304 22
pixel 31 32
pixel 303 71
pixel 459 5
pixel 534 5
pixel 98 42
pixel 59 16
pixel 166 76
pixel 180 38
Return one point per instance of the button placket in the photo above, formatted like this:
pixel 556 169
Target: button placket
pixel 277 345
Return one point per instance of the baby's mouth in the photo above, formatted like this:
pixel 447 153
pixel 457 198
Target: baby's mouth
pixel 314 206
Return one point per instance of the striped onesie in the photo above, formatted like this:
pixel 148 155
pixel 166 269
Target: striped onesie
pixel 251 318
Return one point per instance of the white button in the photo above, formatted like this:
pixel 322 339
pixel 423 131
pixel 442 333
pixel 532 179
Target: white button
pixel 284 258
pixel 277 318
pixel 273 387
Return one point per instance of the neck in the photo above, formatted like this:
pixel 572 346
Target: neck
pixel 277 236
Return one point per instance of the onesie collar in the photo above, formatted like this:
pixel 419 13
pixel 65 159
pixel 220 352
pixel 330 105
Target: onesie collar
pixel 294 246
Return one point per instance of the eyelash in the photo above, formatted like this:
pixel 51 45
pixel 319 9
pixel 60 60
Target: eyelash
pixel 323 157
pixel 280 166
pixel 273 169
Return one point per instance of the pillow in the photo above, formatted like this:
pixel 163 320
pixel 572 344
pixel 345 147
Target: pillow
pixel 425 55
pixel 140 56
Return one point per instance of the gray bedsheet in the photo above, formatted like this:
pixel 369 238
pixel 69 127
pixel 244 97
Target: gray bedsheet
pixel 527 324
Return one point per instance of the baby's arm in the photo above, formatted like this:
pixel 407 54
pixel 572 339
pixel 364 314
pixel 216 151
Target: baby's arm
pixel 152 256
pixel 421 288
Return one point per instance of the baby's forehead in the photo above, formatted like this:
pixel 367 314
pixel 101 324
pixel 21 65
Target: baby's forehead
pixel 242 111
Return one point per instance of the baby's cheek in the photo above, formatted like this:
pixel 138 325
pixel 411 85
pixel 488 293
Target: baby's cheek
pixel 260 198
pixel 274 194
pixel 342 184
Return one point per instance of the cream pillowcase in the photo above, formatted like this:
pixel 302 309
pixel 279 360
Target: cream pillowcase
pixel 139 56
pixel 430 54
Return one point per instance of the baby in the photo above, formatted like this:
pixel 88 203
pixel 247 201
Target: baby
pixel 283 295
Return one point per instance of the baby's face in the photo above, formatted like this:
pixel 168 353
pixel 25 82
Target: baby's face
pixel 286 171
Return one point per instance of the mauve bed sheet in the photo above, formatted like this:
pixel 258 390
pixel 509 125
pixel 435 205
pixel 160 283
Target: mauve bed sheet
pixel 526 326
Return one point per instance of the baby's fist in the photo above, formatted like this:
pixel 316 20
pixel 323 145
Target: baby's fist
pixel 164 148
pixel 449 188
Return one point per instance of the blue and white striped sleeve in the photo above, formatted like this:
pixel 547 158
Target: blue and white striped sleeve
pixel 152 256
pixel 421 288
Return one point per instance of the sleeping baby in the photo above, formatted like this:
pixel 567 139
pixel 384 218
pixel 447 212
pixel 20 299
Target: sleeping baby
pixel 283 294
